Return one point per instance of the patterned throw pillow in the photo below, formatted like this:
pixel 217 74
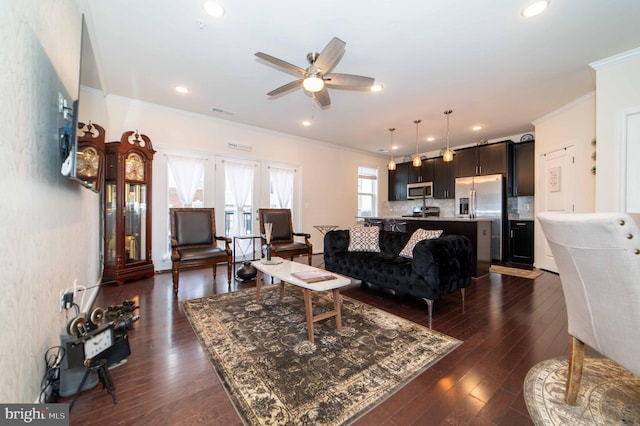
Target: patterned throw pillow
pixel 364 238
pixel 419 235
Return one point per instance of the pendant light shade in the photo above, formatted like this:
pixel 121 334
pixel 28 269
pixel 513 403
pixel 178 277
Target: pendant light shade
pixel 448 154
pixel 417 161
pixel 392 164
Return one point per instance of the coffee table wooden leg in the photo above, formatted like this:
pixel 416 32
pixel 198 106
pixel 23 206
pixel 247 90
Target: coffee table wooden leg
pixel 337 303
pixel 281 289
pixel 309 310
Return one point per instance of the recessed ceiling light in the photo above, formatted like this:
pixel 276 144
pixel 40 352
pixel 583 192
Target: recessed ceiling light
pixel 376 88
pixel 394 147
pixel 476 128
pixel 213 8
pixel 431 139
pixel 535 8
pixel 182 89
pixel 306 123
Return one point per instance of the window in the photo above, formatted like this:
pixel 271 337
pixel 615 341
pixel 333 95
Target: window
pixel 367 191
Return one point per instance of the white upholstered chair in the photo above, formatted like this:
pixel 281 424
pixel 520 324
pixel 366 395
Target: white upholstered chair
pixel 598 259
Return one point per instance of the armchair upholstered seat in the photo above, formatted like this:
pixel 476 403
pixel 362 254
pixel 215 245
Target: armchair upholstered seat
pixel 194 242
pixel 598 259
pixel 283 243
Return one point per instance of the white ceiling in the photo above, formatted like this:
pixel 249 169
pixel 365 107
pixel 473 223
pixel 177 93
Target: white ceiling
pixel 480 58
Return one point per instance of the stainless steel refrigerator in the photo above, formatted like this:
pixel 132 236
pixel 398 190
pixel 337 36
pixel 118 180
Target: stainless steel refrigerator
pixel 484 197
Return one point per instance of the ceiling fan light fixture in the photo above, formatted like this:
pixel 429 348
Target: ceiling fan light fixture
pixel 376 88
pixel 313 83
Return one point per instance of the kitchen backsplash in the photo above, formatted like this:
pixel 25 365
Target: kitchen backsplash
pixel 517 207
pixel 399 208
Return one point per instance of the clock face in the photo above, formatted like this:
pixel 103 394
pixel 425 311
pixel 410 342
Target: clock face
pixel 87 162
pixel 98 343
pixel 134 167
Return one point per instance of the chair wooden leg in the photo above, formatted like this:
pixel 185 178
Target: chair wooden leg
pixel 229 272
pixel 175 272
pixel 574 375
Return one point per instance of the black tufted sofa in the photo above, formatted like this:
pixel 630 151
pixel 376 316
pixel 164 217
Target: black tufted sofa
pixel 439 266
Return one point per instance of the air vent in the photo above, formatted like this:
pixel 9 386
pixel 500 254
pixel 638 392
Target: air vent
pixel 233 145
pixel 222 111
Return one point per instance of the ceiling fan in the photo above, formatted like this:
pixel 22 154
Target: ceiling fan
pixel 318 76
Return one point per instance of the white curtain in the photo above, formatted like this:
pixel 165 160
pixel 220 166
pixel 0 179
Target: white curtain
pixel 282 180
pixel 187 173
pixel 239 179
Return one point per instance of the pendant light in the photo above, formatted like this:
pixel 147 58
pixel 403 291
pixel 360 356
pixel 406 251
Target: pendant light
pixel 392 164
pixel 448 154
pixel 417 161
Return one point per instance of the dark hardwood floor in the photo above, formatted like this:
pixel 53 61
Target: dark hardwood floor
pixel 508 324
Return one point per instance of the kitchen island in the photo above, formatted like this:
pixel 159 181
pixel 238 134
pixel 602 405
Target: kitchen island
pixel 477 230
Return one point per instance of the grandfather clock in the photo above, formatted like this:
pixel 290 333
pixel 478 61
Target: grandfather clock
pixel 127 208
pixel 90 156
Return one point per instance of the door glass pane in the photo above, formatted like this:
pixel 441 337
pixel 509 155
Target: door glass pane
pixel 135 222
pixel 110 223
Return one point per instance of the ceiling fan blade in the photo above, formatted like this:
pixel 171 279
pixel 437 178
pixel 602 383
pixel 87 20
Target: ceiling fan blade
pixel 330 55
pixel 289 86
pixel 283 65
pixel 323 97
pixel 348 81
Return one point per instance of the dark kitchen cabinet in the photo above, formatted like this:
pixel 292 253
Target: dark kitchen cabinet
pixel 521 241
pixel 398 180
pixel 424 173
pixel 483 160
pixel 523 169
pixel 444 178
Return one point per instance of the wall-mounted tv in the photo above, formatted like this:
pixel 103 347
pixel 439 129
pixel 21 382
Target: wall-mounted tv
pixel 69 121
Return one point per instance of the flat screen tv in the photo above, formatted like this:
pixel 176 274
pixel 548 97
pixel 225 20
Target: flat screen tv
pixel 68 120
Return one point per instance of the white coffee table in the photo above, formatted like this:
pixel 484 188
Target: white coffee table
pixel 283 271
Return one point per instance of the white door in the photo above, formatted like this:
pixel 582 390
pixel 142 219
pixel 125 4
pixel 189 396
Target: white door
pixel 555 192
pixel 227 213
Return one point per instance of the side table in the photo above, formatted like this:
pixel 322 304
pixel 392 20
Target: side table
pixel 323 230
pixel 247 272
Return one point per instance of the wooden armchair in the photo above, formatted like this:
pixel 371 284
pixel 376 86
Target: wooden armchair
pixel 282 238
pixel 194 242
pixel 598 258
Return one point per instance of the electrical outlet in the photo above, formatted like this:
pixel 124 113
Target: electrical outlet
pixel 67 300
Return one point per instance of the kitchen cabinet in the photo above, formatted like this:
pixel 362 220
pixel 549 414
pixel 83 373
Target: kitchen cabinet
pixel 523 169
pixel 444 178
pixel 424 173
pixel 398 180
pixel 521 241
pixel 483 160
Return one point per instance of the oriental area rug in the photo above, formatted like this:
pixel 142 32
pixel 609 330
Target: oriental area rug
pixel 275 376
pixel 609 394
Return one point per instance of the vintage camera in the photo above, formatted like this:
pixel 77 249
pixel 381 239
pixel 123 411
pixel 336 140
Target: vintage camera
pixel 122 316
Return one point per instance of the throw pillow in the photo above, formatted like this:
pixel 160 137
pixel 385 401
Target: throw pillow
pixel 416 237
pixel 364 238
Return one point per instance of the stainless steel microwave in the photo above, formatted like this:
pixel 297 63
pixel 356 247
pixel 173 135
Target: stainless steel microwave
pixel 419 190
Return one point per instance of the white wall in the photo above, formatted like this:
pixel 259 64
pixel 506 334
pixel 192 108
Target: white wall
pixel 49 224
pixel 618 92
pixel 329 173
pixel 573 124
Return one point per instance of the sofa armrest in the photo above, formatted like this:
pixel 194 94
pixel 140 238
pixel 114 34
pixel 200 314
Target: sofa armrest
pixel 336 241
pixel 443 257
